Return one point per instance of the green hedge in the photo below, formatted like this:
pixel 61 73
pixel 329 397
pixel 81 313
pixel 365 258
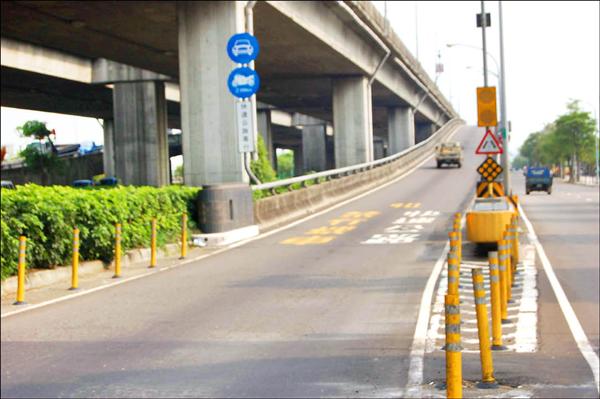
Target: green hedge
pixel 47 215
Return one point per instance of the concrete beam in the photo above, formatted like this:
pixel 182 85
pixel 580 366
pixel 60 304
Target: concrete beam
pixel 353 129
pixel 106 71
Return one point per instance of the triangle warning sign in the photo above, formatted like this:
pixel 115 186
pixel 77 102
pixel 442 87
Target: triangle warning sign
pixel 489 144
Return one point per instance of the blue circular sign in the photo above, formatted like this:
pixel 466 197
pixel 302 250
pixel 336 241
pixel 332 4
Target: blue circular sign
pixel 243 82
pixel 242 48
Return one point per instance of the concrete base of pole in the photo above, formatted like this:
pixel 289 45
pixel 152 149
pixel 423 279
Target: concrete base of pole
pixel 226 237
pixel 487 385
pixel 20 303
pixel 499 348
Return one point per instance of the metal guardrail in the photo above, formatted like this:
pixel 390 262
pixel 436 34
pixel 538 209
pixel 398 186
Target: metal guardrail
pixel 348 170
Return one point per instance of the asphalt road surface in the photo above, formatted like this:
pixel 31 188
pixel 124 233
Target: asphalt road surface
pixel 325 308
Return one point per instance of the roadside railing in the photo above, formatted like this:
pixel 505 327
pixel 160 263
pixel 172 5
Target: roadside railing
pixel 317 178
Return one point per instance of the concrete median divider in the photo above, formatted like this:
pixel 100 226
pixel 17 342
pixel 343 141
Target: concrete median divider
pixel 281 209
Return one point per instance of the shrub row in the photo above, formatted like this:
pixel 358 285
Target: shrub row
pixel 47 216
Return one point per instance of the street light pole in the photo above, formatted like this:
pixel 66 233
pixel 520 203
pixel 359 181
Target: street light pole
pixel 483 24
pixel 505 156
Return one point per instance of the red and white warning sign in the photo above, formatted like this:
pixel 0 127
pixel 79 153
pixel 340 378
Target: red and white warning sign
pixel 489 144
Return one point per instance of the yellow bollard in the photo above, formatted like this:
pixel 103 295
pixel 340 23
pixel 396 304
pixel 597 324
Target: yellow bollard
pixel 455 246
pixel 21 272
pixel 453 273
pixel 515 249
pixel 453 348
pixel 458 230
pixel 502 254
pixel 75 261
pixel 183 236
pixel 485 354
pixel 509 270
pixel 117 250
pixel 495 300
pixel 153 244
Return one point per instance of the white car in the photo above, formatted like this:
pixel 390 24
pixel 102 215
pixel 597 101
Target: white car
pixel 242 46
pixel 241 80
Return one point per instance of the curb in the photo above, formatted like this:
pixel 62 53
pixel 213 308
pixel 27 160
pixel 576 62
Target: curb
pixel 42 278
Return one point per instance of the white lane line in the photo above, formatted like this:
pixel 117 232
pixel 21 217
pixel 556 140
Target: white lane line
pixel 578 334
pixel 229 247
pixel 417 351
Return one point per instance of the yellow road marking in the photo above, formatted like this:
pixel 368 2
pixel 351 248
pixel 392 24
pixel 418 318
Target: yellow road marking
pixel 338 226
pixel 406 205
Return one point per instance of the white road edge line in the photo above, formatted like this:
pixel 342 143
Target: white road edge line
pixel 231 246
pixel 417 351
pixel 578 334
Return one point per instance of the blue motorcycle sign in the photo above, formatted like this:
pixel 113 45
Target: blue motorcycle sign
pixel 242 48
pixel 243 82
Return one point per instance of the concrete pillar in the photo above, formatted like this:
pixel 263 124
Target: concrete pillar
pixel 314 148
pixel 210 146
pixel 141 150
pixel 108 154
pixel 423 131
pixel 378 148
pixel 353 129
pixel 298 161
pixel 263 121
pixel 401 129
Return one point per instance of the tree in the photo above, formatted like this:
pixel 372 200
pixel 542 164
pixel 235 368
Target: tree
pixel 574 133
pixel 36 155
pixel 262 168
pixel 285 165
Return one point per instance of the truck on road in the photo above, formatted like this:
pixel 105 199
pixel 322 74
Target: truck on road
pixel 449 153
pixel 538 179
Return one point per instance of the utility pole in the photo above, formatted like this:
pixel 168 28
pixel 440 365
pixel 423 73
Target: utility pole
pixel 483 25
pixel 503 127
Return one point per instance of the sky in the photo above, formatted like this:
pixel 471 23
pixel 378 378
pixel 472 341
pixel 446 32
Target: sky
pixel 551 56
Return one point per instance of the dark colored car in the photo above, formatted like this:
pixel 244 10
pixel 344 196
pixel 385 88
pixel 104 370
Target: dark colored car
pixel 8 184
pixel 83 183
pixel 538 179
pixel 108 181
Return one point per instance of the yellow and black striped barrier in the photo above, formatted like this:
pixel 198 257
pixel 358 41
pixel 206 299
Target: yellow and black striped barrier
pixel 492 189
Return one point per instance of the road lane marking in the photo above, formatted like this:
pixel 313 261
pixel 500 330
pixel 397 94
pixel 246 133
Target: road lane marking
pixel 239 243
pixel 406 205
pixel 581 339
pixel 338 226
pixel 404 230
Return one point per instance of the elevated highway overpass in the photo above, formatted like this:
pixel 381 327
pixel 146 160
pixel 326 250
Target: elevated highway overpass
pixel 338 62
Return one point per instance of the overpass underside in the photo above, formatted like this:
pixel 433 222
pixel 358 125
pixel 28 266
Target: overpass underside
pixel 322 60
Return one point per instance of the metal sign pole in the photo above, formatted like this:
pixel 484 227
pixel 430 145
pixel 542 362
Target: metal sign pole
pixel 505 156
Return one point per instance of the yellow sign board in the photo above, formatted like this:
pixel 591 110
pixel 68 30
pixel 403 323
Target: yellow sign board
pixel 486 107
pixel 489 169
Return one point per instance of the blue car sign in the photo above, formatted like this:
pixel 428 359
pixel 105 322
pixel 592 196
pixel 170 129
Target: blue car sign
pixel 243 82
pixel 242 48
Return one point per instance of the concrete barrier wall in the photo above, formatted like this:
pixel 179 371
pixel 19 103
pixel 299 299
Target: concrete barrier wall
pixel 282 209
pixel 76 168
